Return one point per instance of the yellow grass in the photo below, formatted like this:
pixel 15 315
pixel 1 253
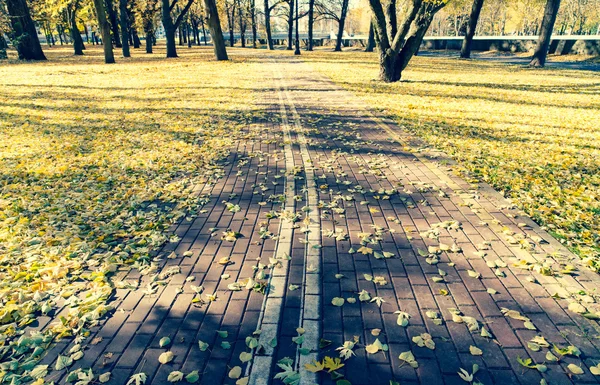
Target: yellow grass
pixel 532 134
pixel 94 159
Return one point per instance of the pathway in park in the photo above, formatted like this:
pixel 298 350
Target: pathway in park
pixel 412 249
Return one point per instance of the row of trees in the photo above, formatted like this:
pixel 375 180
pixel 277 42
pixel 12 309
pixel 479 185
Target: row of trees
pixel 397 29
pixel 546 28
pixel 398 40
pixel 119 21
pixel 117 24
pixel 517 17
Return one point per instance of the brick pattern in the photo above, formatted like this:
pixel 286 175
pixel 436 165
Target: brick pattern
pixel 345 147
pixel 129 338
pixel 346 143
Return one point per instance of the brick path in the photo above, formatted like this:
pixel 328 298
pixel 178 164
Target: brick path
pixel 315 145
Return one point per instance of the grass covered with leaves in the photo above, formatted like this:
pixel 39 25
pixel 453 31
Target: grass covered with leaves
pixel 96 162
pixel 532 134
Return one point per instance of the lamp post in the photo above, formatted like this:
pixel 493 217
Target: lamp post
pixel 297 51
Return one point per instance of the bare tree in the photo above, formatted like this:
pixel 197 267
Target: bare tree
pixel 268 8
pixel 334 10
pixel 171 26
pixel 214 26
pixel 242 23
pixel 252 16
pixel 290 22
pixel 71 12
pixel 398 44
pixel 124 27
pixel 465 51
pixel 149 10
pixel 114 23
pixel 105 30
pixel 371 41
pixel 311 22
pixel 541 50
pixel 230 8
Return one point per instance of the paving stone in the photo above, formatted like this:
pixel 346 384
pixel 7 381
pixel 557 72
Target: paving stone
pixel 132 332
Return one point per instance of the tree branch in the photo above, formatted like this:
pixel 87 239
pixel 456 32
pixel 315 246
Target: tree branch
pixel 405 27
pixel 301 15
pixel 379 24
pixel 325 12
pixel 183 12
pixel 276 4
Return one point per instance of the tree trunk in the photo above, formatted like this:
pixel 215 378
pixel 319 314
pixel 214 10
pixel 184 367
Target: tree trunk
pixel 412 44
pixel 342 21
pixel 242 28
pixel 204 32
pixel 78 46
pixel 541 50
pixel 231 22
pixel 253 23
pixel 311 21
pixel 413 28
pixel 389 68
pixel 171 45
pixel 24 35
pixel 114 23
pixel 465 51
pixel 45 27
pixel 3 47
pixel 392 19
pixel 371 42
pixel 268 25
pixel 214 26
pixel 49 35
pixel 149 31
pixel 105 30
pixel 65 38
pixel 124 28
pixel 148 43
pixel 170 28
pixel 290 24
pixel 136 38
pixel 188 31
pixel 195 31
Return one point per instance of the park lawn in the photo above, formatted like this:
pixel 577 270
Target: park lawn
pixel 532 134
pixel 96 162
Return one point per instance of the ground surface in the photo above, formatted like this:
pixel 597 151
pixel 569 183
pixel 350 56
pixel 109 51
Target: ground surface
pixel 289 208
pixel 574 62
